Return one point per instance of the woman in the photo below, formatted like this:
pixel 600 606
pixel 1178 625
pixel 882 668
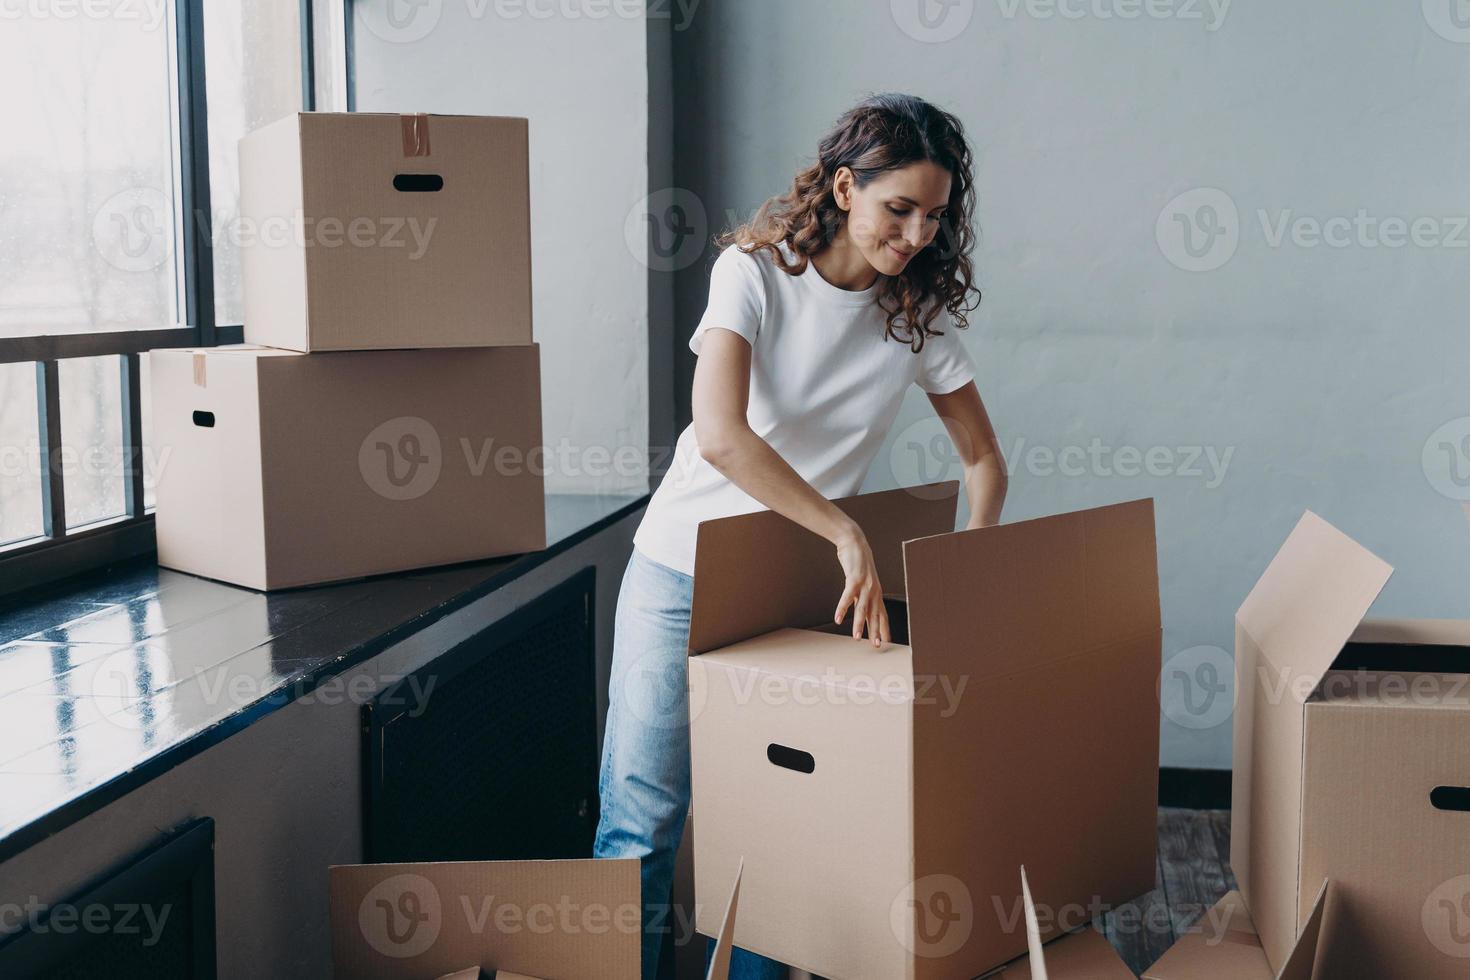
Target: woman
pixel 822 310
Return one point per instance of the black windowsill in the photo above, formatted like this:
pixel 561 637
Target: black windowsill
pixel 110 680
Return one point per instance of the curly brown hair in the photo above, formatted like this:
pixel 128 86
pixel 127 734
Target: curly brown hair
pixel 880 134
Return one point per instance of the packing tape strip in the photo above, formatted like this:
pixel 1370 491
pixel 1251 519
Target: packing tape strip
pixel 415 134
pixel 200 378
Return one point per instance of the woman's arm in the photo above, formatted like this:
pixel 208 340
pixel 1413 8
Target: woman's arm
pixel 727 442
pixel 964 416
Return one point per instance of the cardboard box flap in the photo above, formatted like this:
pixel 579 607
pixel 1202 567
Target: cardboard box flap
pixel 1301 964
pixel 1002 599
pixel 719 966
pixel 1431 632
pixel 1310 600
pixel 1033 931
pixel 1083 955
pixel 758 572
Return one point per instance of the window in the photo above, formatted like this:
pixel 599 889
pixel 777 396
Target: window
pixel 118 232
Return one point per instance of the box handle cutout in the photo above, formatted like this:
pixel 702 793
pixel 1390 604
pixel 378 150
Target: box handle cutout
pixel 1455 798
pixel 418 183
pixel 789 758
pixel 205 420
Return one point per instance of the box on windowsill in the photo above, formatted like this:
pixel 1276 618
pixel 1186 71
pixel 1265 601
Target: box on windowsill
pixel 371 231
pixel 279 469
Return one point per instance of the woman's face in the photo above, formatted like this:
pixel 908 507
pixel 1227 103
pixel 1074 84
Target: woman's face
pixel 896 214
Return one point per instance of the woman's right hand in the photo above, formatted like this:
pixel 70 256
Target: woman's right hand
pixel 863 593
pixel 721 402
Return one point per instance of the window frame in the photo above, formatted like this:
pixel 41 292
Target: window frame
pixel 59 553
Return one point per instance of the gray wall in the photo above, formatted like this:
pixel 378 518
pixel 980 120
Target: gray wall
pixel 1319 375
pixel 578 70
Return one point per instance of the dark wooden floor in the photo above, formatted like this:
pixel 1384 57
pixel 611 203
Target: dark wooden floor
pixel 1192 876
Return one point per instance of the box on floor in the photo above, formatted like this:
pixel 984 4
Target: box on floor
pixel 366 231
pixel 874 795
pixel 1223 945
pixel 567 920
pixel 281 469
pixel 1352 745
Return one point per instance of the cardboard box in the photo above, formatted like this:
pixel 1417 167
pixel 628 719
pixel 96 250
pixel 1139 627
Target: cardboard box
pixel 367 231
pixel 568 920
pixel 1352 741
pixel 562 920
pixel 1223 945
pixel 280 469
pixel 874 794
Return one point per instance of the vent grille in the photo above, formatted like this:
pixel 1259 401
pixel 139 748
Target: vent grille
pixel 143 956
pixel 489 752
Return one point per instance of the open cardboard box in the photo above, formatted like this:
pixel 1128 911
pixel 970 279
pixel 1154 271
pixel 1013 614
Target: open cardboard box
pixel 1223 945
pixel 874 795
pixel 1352 754
pixel 515 920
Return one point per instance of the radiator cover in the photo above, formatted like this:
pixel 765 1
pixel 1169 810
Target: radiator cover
pixel 489 752
pixel 174 880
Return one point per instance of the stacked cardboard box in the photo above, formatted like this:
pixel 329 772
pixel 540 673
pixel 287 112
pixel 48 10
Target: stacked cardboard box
pixel 385 411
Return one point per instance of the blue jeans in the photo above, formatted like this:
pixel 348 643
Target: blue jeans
pixel 645 752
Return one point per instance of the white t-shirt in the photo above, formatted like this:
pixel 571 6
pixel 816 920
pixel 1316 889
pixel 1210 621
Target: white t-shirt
pixel 825 387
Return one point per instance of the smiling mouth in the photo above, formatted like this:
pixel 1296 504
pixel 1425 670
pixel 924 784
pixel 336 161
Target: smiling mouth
pixel 900 254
